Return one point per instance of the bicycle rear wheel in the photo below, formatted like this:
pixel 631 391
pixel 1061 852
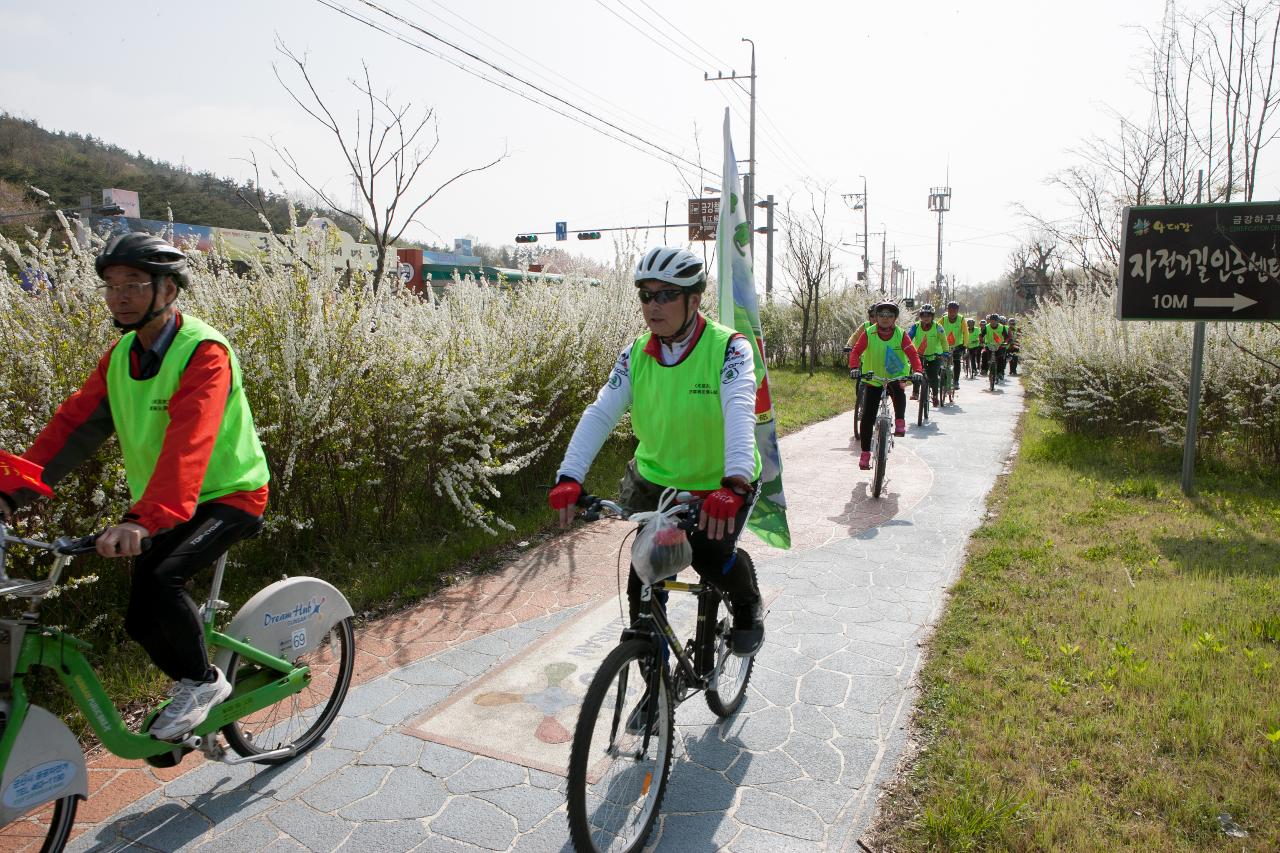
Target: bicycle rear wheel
pixel 300 719
pixel 881 461
pixel 732 673
pixel 61 814
pixel 616 780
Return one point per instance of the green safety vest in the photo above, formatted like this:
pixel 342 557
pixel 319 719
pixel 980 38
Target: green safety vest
pixel 676 414
pixel 972 342
pixel 140 410
pixel 957 332
pixel 995 336
pixel 886 359
pixel 934 340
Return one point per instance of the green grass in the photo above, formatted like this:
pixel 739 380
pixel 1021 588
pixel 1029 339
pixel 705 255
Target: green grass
pixel 800 399
pixel 1105 677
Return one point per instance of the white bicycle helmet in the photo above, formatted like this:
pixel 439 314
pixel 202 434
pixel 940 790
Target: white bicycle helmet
pixel 670 265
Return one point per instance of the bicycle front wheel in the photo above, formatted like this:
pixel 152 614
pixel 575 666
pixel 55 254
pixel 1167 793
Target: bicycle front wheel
pixel 859 402
pixel 922 412
pixel 991 373
pixel 881 458
pixel 300 719
pixel 729 678
pixel 616 779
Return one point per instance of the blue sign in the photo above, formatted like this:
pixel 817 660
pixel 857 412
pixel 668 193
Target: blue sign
pixel 562 230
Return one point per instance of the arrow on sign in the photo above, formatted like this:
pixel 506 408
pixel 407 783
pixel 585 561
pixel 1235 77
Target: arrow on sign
pixel 1235 302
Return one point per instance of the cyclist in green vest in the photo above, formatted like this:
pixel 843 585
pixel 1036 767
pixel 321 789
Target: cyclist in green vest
pixel 1015 346
pixel 691 387
pixel 956 329
pixel 930 341
pixel 995 339
pixel 171 391
pixel 972 345
pixel 884 354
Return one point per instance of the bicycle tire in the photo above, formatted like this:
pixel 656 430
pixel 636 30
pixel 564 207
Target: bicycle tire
pixel 264 731
pixel 922 411
pixel 595 820
pixel 724 696
pixel 60 823
pixel 991 373
pixel 858 403
pixel 881 461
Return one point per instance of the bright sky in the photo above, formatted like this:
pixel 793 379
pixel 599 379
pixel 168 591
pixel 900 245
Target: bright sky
pixel 995 94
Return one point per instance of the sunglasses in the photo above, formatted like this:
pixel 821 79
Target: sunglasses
pixel 885 314
pixel 662 297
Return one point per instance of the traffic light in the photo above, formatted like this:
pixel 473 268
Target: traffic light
pixel 526 238
pixel 588 235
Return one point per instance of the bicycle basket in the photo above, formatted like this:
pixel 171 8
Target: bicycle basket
pixel 661 549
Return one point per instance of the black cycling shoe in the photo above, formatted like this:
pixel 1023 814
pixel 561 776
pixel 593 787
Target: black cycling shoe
pixel 646 707
pixel 748 630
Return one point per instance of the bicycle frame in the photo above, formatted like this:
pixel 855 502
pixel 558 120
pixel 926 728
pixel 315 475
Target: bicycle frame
pixel 695 669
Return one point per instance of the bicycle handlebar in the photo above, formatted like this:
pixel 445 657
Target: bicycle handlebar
pixel 592 504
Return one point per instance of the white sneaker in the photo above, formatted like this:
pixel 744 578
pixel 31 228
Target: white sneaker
pixel 191 703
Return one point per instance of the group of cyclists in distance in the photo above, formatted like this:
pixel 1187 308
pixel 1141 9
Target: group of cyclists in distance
pixel 883 354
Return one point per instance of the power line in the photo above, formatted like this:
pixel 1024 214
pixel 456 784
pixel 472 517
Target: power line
pixel 342 10
pixel 522 81
pixel 601 103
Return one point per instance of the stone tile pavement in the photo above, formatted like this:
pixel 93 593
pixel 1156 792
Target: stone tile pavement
pixel 797 768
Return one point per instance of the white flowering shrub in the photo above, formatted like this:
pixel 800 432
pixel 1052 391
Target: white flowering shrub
pixel 381 412
pixel 1103 376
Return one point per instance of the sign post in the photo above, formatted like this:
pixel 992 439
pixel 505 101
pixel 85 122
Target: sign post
pixel 704 214
pixel 1200 262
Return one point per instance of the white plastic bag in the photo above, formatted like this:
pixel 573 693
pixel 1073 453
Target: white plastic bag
pixel 661 549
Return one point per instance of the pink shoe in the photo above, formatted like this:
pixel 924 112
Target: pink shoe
pixel 899 428
pixel 864 461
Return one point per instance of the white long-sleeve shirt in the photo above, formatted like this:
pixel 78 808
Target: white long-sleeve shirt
pixel 737 403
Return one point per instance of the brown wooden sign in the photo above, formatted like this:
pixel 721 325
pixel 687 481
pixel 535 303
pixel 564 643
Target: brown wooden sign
pixel 704 214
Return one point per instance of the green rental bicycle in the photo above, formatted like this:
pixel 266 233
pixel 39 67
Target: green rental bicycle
pixel 288 654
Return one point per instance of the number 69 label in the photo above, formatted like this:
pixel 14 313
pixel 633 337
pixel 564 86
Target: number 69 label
pixel 299 639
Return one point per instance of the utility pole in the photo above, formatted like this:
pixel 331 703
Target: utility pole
pixel 858 201
pixel 768 230
pixel 940 201
pixel 882 241
pixel 749 180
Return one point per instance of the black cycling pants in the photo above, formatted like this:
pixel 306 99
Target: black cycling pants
pixel 999 359
pixel 871 409
pixel 957 365
pixel 974 357
pixel 161 617
pixel 932 373
pixel 713 559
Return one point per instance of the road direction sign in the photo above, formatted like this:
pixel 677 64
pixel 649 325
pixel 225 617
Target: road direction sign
pixel 704 213
pixel 1201 262
pixel 562 230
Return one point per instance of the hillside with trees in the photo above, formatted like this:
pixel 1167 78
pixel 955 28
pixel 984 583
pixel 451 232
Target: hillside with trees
pixel 69 166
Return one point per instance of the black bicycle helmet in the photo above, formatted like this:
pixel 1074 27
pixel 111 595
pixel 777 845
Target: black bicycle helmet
pixel 927 308
pixel 953 304
pixel 145 252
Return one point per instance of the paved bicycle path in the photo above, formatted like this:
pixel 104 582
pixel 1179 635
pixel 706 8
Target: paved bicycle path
pixel 797 768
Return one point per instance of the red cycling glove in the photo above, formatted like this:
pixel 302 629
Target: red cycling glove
pixel 723 504
pixel 565 494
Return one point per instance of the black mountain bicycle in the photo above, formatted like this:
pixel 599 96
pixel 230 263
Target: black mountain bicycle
pixel 621 753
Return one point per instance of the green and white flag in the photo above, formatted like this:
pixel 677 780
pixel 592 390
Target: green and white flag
pixel 739 310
